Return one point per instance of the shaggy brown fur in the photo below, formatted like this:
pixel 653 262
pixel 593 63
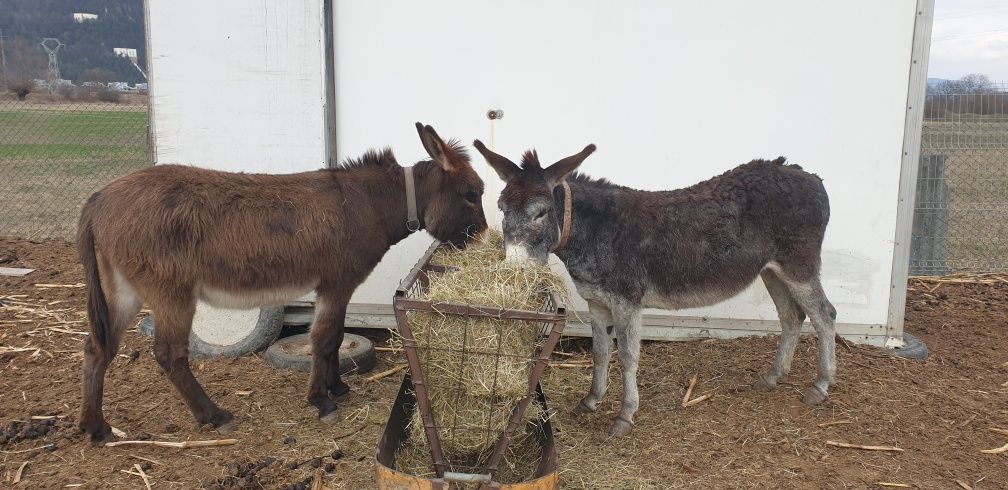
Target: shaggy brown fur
pixel 170 235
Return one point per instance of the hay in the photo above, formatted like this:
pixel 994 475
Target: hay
pixel 520 459
pixel 477 369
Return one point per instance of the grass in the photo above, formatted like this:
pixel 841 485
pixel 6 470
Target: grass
pixel 52 157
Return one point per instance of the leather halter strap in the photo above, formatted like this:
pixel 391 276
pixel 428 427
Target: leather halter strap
pixel 566 228
pixel 412 221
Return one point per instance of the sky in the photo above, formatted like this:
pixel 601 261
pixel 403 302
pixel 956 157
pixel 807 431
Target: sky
pixel 969 36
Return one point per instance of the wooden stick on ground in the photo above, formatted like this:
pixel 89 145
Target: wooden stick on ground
pixel 142 475
pixel 571 365
pixel 890 484
pixel 317 480
pixel 182 445
pixel 689 390
pixel 47 417
pixel 697 400
pixel 997 450
pixel 999 431
pixel 148 460
pixel 838 422
pixel 863 447
pixel 963 485
pixel 386 373
pixel 20 472
pixel 47 446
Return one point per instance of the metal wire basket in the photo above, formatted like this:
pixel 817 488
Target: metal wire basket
pixel 548 324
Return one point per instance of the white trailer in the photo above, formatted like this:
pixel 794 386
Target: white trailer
pixel 672 92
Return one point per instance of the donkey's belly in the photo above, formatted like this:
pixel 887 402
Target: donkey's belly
pixel 251 299
pixel 691 298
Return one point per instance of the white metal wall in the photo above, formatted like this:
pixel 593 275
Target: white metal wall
pixel 671 92
pixel 237 85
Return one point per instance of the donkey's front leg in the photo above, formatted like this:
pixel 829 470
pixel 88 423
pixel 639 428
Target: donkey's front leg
pixel 327 337
pixel 602 321
pixel 628 325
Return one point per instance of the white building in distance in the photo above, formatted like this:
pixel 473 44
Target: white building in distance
pixel 130 53
pixel 80 17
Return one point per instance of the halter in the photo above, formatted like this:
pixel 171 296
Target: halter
pixel 566 228
pixel 412 221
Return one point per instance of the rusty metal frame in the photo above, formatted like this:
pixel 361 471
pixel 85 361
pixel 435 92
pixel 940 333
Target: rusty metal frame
pixel 402 303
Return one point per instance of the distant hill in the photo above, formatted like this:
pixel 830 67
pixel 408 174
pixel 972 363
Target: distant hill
pixel 88 45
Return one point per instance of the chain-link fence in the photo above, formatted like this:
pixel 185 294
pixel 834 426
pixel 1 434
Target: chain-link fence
pixel 961 212
pixel 55 151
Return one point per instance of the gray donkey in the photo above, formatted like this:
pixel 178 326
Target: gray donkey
pixel 628 249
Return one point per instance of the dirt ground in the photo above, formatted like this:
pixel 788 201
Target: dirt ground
pixel 939 411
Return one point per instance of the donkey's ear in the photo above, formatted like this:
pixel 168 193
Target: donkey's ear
pixel 556 173
pixel 435 147
pixel 506 169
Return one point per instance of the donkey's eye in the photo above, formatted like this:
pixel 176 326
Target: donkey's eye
pixel 472 197
pixel 540 215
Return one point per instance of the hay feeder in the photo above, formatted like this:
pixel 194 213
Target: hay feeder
pixel 441 425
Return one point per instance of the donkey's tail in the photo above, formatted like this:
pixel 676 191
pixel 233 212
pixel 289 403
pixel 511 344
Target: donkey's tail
pixel 97 308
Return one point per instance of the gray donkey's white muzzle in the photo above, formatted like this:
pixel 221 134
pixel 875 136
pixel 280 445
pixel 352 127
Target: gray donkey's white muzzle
pixel 516 253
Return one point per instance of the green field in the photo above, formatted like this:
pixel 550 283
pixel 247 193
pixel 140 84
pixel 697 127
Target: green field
pixel 53 156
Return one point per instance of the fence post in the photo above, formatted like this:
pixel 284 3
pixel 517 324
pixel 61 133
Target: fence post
pixel 929 236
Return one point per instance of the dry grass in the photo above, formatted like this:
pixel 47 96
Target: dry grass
pixel 477 368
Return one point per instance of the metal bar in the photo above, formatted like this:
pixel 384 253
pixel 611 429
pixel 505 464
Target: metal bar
pixel 916 87
pixel 329 36
pixel 474 310
pixel 467 477
pixel 534 377
pixel 152 152
pixel 420 388
pixel 410 278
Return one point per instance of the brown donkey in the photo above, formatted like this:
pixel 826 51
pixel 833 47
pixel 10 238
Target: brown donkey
pixel 170 235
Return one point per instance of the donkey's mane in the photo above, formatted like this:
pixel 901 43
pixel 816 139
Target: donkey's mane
pixel 384 158
pixel 530 159
pixel 588 180
pixel 455 146
pixel 372 158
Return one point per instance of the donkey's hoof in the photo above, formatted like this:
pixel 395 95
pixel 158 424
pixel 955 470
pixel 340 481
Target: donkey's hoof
pixel 764 384
pixel 226 428
pixel 582 408
pixel 814 396
pixel 98 433
pixel 620 428
pixel 329 418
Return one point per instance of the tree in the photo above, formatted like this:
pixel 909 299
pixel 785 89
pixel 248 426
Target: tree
pixel 974 83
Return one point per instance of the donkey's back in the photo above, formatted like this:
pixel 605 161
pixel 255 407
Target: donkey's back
pixel 194 227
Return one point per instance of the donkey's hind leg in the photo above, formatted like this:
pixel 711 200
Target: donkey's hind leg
pixel 173 320
pixel 327 337
pixel 810 296
pixel 123 306
pixel 791 318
